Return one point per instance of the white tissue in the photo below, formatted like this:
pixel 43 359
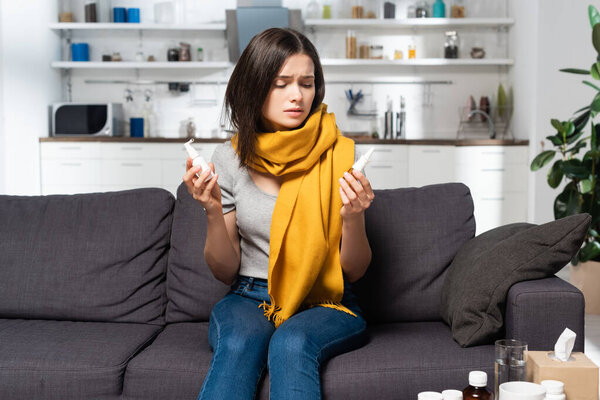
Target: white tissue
pixel 564 345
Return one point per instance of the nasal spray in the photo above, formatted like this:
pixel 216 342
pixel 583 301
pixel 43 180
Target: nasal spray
pixel 197 159
pixel 362 161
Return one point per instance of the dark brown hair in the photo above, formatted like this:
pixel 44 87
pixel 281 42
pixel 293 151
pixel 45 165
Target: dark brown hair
pixel 253 77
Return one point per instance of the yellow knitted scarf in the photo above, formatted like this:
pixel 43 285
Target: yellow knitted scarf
pixel 306 226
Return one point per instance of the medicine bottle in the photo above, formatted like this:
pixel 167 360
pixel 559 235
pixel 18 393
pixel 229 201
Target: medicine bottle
pixel 554 390
pixel 429 396
pixel 477 389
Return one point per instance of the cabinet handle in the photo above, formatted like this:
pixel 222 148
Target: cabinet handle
pixel 71 164
pixel 137 148
pixel 493 152
pixel 382 151
pixel 70 148
pixel 131 164
pixel 492 198
pixel 492 170
pixel 381 166
pixel 430 151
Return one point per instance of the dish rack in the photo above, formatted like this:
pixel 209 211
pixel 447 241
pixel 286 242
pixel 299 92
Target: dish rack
pixel 475 123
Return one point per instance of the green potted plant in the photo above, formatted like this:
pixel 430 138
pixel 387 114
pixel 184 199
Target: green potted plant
pixel 580 170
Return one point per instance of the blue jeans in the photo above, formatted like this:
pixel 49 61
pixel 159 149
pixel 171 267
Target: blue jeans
pixel 244 342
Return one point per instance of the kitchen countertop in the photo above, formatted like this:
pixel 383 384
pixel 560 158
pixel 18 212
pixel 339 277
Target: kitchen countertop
pixel 358 140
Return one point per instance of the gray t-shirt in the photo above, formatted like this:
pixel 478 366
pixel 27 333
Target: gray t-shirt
pixel 254 209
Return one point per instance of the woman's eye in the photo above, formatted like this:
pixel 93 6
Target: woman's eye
pixel 280 86
pixel 308 85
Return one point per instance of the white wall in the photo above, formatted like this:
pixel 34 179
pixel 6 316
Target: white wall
pixel 2 130
pixel 28 85
pixel 549 35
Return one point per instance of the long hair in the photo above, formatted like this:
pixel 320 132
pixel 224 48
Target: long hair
pixel 253 77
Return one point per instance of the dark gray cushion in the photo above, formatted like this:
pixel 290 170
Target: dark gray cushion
pixel 85 257
pixel 414 235
pixel 474 293
pixel 192 290
pixel 67 360
pixel 400 360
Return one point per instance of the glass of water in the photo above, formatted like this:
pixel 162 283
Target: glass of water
pixel 511 362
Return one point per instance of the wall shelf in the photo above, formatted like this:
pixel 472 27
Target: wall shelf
pixel 409 23
pixel 136 26
pixel 422 62
pixel 142 65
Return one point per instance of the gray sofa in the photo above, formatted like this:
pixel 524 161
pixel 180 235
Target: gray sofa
pixel 107 296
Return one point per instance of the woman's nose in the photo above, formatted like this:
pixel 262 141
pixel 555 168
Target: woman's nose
pixel 296 93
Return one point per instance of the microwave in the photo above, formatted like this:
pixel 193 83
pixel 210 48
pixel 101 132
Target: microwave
pixel 87 119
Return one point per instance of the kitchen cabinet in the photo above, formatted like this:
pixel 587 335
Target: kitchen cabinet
pixel 496 175
pixel 85 167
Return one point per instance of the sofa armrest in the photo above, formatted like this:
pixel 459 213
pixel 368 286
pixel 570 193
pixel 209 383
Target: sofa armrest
pixel 538 311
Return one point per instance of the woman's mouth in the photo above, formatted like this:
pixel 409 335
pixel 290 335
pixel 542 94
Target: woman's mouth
pixel 294 112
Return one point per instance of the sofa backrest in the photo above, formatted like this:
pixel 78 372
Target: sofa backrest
pixel 85 257
pixel 414 234
pixel 192 290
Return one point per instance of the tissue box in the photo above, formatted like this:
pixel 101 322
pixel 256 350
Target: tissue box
pixel 580 376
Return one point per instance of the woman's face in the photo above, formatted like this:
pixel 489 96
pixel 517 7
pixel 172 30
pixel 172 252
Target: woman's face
pixel 289 101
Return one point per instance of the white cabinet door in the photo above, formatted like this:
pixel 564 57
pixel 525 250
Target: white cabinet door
pixel 429 165
pixel 388 166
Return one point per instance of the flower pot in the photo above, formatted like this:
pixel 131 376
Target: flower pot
pixel 586 277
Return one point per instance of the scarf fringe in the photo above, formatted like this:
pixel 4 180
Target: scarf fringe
pixel 272 312
pixel 335 305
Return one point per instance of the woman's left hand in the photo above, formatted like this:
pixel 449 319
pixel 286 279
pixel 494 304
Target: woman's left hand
pixel 357 194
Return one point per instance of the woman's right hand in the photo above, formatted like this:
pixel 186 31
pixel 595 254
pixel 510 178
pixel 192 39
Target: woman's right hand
pixel 206 193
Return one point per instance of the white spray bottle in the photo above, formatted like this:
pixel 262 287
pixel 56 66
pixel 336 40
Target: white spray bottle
pixel 362 161
pixel 197 159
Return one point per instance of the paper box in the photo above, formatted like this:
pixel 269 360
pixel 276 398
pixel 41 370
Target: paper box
pixel 580 376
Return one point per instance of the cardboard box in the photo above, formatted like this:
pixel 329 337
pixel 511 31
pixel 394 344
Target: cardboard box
pixel 580 376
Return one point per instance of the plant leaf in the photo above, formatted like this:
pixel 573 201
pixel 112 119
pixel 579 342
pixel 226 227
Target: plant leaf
pixel 586 186
pixel 575 71
pixel 580 145
pixel 596 103
pixel 567 203
pixel 557 125
pixel 596 37
pixel 555 139
pixel 573 169
pixel 555 174
pixel 582 109
pixel 569 127
pixel 594 15
pixel 590 251
pixel 591 85
pixel 581 121
pixel 542 159
pixel 594 71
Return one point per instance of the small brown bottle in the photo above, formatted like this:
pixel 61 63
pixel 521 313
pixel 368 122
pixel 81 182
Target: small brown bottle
pixel 477 389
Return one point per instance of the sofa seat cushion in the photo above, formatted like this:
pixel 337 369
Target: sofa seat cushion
pixel 67 360
pixel 399 361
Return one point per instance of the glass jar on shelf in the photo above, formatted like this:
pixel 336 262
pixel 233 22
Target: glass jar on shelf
pixel 358 10
pixel 451 45
pixel 363 51
pixel 422 9
pixel 458 9
pixel 411 11
pixel 376 52
pixel 326 9
pixel 371 8
pixel 313 10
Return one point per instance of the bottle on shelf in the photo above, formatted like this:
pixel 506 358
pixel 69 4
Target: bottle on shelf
pixel 326 9
pixel 351 50
pixel 149 115
pixel 451 45
pixel 412 50
pixel 358 9
pixel 313 10
pixel 477 389
pixel 439 9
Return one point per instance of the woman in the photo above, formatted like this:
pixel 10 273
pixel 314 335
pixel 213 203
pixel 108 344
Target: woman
pixel 285 227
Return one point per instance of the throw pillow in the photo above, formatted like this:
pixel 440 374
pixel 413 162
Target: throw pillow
pixel 484 269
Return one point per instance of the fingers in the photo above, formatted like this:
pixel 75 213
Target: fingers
pixel 365 184
pixel 356 187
